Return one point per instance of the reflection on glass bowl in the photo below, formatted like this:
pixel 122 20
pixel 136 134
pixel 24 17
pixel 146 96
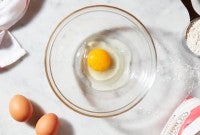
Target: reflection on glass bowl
pixel 100 93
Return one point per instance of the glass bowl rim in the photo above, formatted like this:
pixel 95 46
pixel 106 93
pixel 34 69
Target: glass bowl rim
pixel 73 106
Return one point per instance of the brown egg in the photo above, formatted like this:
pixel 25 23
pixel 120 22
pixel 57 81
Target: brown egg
pixel 20 108
pixel 48 124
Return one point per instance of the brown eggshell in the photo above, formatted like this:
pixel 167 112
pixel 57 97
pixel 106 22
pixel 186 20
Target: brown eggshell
pixel 48 124
pixel 20 108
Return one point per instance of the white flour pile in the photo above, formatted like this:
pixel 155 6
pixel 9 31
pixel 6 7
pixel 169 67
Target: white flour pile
pixel 193 37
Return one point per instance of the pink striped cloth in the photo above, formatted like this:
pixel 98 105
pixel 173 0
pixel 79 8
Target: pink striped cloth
pixel 11 11
pixel 185 120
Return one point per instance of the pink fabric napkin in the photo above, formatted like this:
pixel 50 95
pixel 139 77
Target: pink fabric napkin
pixel 11 11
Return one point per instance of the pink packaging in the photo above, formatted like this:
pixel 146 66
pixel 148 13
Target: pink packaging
pixel 185 120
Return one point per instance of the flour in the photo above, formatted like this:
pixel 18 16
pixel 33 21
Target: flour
pixel 193 37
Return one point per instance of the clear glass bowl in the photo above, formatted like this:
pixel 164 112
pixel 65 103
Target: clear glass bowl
pixel 63 60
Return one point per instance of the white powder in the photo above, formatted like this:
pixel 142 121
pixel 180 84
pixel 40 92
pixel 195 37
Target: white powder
pixel 193 37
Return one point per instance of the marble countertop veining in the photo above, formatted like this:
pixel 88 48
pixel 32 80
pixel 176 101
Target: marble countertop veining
pixel 178 70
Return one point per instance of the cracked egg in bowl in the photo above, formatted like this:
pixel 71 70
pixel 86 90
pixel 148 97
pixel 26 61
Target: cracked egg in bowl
pixel 100 61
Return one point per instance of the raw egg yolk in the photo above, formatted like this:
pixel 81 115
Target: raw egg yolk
pixel 99 59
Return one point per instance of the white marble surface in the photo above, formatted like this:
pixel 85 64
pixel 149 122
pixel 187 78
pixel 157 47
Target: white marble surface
pixel 178 71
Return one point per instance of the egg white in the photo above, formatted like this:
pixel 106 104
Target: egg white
pixel 119 72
